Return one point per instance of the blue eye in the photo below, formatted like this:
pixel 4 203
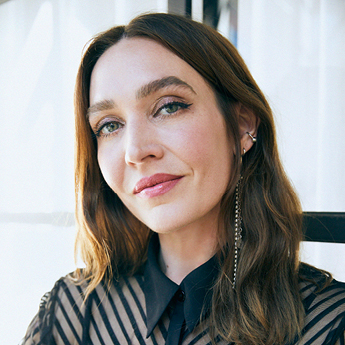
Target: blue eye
pixel 107 128
pixel 171 108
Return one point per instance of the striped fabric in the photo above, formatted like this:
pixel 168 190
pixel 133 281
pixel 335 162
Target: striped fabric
pixel 119 316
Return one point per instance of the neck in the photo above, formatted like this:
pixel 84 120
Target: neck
pixel 184 250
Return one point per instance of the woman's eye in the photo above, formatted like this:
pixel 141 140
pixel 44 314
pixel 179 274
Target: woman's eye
pixel 172 108
pixel 107 129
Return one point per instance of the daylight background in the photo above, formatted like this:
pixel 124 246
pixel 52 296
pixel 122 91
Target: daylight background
pixel 295 50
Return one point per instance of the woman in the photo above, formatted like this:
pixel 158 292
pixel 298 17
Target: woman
pixel 188 226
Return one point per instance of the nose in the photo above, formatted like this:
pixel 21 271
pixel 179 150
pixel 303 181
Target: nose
pixel 142 143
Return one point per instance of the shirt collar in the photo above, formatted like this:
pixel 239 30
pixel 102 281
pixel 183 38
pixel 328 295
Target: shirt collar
pixel 159 289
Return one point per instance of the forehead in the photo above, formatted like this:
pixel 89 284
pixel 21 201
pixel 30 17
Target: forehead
pixel 133 62
pixel 137 52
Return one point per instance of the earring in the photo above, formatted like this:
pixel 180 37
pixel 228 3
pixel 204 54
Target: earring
pixel 253 138
pixel 238 227
pixel 244 151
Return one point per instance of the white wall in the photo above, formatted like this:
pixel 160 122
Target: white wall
pixel 296 52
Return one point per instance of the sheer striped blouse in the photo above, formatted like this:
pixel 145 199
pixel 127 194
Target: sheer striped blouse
pixel 119 316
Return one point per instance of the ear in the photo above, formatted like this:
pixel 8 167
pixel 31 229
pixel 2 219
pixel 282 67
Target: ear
pixel 248 122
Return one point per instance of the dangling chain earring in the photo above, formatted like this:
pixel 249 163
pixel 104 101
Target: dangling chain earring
pixel 238 227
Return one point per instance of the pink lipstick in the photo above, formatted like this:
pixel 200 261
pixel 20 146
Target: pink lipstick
pixel 155 185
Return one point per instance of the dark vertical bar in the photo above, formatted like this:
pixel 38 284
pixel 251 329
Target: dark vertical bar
pixel 228 11
pixel 188 10
pixel 211 13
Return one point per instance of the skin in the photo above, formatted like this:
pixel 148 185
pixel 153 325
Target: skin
pixel 174 126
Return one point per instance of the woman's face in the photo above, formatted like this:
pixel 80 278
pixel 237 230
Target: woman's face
pixel 162 141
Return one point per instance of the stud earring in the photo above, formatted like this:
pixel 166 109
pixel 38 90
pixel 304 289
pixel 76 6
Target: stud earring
pixel 253 138
pixel 244 151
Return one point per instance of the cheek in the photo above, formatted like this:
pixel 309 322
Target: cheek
pixel 207 144
pixel 110 164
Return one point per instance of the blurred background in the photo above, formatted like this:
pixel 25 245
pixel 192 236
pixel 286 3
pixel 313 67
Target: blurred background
pixel 294 49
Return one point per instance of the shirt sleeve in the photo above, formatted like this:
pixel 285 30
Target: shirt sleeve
pixel 39 331
pixel 341 339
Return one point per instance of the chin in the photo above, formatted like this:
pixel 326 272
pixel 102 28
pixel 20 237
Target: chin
pixel 162 226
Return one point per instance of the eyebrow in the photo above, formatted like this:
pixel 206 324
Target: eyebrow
pixel 100 106
pixel 143 92
pixel 158 84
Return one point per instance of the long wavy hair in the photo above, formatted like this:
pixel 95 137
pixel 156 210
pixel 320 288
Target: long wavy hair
pixel 265 306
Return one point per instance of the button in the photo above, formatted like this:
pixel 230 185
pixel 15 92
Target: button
pixel 181 296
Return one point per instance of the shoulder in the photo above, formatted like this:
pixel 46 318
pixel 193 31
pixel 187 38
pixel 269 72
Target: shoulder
pixel 66 292
pixel 70 291
pixel 64 312
pixel 324 303
pixel 317 284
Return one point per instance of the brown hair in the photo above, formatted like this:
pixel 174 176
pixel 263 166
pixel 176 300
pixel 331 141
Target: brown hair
pixel 265 307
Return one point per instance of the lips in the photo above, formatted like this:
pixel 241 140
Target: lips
pixel 156 184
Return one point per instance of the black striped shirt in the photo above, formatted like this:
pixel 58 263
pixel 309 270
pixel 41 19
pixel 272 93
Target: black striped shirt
pixel 119 316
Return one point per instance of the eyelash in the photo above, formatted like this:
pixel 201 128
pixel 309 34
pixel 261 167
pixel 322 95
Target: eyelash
pixel 180 105
pixel 98 129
